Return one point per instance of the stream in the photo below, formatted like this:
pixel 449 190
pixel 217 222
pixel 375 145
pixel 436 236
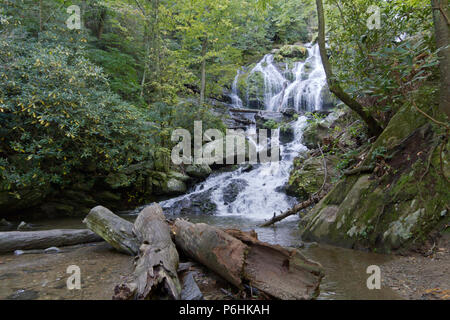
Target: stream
pixel 238 199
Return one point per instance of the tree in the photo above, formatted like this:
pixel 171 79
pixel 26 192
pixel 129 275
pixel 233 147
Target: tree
pixel 441 14
pixel 373 126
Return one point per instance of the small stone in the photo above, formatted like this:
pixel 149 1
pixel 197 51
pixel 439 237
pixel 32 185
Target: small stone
pixel 190 290
pixel 23 226
pixel 52 250
pixel 19 252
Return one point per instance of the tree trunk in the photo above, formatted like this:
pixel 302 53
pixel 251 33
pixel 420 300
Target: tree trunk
pixel 155 275
pixel 40 16
pixel 240 258
pixel 116 231
pixel 18 240
pixel 373 126
pixel 146 58
pixel 101 23
pixel 441 14
pixel 203 71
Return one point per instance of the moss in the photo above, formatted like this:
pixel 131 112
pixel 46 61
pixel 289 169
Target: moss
pixel 293 51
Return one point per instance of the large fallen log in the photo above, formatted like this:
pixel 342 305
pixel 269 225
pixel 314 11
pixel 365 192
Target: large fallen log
pixel 24 240
pixel 240 258
pixel 116 231
pixel 155 275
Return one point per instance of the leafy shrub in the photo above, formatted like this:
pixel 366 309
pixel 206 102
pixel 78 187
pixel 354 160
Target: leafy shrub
pixel 60 117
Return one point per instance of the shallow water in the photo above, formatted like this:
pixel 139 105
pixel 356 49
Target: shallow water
pixel 43 276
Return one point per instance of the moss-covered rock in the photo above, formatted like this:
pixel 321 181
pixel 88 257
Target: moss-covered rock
pixel 293 51
pixel 399 205
pixel 200 171
pixel 307 176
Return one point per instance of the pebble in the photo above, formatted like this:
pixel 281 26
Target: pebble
pixel 52 250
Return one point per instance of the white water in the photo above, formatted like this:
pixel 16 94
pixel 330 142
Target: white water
pixel 262 196
pixel 302 94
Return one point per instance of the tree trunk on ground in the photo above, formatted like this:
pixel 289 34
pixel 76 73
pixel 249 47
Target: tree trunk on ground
pixel 155 274
pixel 241 258
pixel 203 71
pixel 441 15
pixel 18 240
pixel 373 126
pixel 116 231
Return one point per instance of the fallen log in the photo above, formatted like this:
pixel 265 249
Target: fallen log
pixel 300 206
pixel 24 240
pixel 155 274
pixel 116 231
pixel 241 259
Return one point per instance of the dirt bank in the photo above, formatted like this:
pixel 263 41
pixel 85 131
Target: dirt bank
pixel 421 275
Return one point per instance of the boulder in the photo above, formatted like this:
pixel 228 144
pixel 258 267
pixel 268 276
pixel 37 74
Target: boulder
pixel 232 190
pixel 174 186
pixel 190 289
pixel 194 203
pixel 200 171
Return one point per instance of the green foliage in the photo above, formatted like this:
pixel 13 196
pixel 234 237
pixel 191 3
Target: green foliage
pixel 59 116
pixel 382 66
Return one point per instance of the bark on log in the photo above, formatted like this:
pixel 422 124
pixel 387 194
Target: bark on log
pixel 23 240
pixel 155 275
pixel 240 258
pixel 116 231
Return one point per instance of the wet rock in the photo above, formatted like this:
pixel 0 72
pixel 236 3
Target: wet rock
pixel 190 289
pixel 23 295
pixel 329 101
pixel 293 51
pixel 174 186
pixel 5 225
pixel 265 116
pixel 19 252
pixel 232 190
pixel 198 171
pixel 289 112
pixel 24 226
pixel 52 250
pixel 247 168
pixel 287 134
pixel 194 203
pixel 179 176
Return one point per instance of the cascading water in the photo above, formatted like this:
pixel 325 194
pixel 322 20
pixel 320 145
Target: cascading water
pixel 257 194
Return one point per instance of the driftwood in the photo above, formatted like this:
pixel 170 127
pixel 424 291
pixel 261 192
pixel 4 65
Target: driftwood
pixel 23 240
pixel 155 274
pixel 300 206
pixel 241 259
pixel 116 231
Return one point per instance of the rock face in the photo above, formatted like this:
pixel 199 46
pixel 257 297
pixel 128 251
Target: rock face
pixel 233 189
pixel 291 51
pixel 194 203
pixel 398 205
pixel 308 176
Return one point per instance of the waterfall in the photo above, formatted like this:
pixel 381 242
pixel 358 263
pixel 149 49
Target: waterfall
pixel 301 94
pixel 258 193
pixel 236 101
